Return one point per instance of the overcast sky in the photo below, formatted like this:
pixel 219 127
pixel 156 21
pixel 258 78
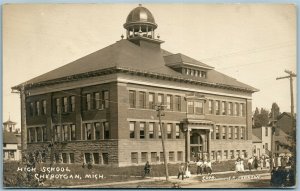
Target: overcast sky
pixel 252 43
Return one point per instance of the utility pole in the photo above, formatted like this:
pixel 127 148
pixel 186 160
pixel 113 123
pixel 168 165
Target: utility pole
pixel 23 95
pixel 159 109
pixel 291 75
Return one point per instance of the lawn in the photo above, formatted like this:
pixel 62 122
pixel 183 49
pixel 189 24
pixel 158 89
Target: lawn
pixel 111 174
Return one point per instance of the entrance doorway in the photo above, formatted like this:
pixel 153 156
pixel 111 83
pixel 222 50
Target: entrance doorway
pixel 196 146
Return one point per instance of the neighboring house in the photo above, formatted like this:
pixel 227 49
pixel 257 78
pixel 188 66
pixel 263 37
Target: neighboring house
pixel 101 107
pixel 10 126
pixel 257 146
pixel 11 151
pixel 284 134
pixel 264 134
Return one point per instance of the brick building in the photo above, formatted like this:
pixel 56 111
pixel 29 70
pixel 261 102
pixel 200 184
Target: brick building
pixel 101 107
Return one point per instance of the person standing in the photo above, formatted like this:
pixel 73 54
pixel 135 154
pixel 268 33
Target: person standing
pixel 187 172
pixel 181 171
pixel 147 169
pixel 255 163
pixel 250 161
pixel 199 167
pixel 208 167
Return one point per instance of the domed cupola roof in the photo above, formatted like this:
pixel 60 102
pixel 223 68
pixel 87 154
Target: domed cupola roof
pixel 140 15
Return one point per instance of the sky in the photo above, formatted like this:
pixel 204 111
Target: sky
pixel 253 43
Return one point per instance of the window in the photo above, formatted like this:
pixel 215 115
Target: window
pixel 151 130
pixel 192 72
pixel 236 132
pixel 65 104
pixel 236 109
pixel 242 109
pixel 57 105
pixel 266 131
pixel 39 134
pixel 217 107
pixel 266 146
pixel 224 132
pixel 97 130
pixel 213 156
pixel 88 131
pixel 31 108
pixel 132 130
pixel 73 132
pixel 106 130
pixel 97 101
pixel 203 74
pixel 72 105
pixel 229 132
pixel 37 108
pixel 88 102
pixel 217 132
pixel 159 131
pixel 232 154
pixel 153 157
pixel 230 108
pixel 44 133
pixel 57 157
pixel 87 158
pixel 169 131
pixel 160 99
pixel 171 156
pixel 151 101
pixel 132 98
pixel 210 106
pixel 199 107
pixel 65 133
pixel 169 102
pixel 242 129
pixel 223 108
pixel 177 103
pixel 177 131
pixel 57 133
pixel 106 98
pixel 190 107
pixel 64 158
pixel 142 130
pixel 142 99
pixel 96 158
pixel 144 157
pixel 72 158
pixel 161 157
pixel 44 107
pixel 105 158
pixel 237 153
pixel 225 154
pixel 179 156
pixel 134 157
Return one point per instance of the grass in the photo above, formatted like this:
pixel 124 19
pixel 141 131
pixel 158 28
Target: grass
pixel 111 174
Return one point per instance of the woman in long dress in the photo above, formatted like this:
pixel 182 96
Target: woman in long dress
pixel 237 165
pixel 187 172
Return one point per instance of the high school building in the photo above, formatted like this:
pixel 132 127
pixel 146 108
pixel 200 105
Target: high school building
pixel 101 108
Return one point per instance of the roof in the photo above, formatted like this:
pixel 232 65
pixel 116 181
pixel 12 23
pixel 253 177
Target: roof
pixel 140 14
pixel 145 58
pixel 183 59
pixel 255 139
pixel 257 132
pixel 9 138
pixel 9 122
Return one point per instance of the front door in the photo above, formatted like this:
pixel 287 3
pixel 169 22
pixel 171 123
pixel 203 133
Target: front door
pixel 196 146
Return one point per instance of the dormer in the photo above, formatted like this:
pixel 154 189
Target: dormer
pixel 187 66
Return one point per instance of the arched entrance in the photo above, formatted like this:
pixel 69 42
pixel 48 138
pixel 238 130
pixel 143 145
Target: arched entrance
pixel 196 146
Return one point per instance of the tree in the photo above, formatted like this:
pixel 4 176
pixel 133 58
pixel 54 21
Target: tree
pixel 261 118
pixel 275 111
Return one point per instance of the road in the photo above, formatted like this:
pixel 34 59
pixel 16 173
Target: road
pixel 263 182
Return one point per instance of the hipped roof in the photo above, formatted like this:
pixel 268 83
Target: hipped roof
pixel 143 58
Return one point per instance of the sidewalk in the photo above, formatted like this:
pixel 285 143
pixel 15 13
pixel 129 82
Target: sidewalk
pixel 172 179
